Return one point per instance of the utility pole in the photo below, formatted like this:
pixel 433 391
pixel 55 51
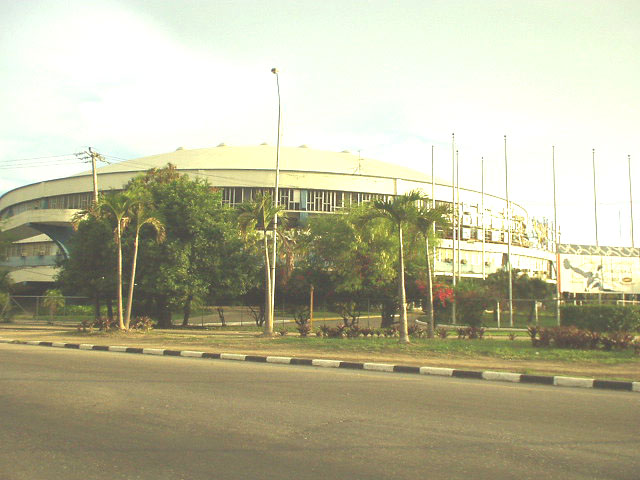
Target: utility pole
pixel 94 156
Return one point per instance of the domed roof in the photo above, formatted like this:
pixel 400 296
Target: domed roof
pixel 262 157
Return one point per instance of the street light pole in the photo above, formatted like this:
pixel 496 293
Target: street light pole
pixel 275 218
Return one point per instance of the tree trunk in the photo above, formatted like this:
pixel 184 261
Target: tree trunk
pixel 110 308
pixel 268 323
pixel 119 240
pixel 132 279
pixel 163 313
pixel 404 327
pixel 432 321
pixel 187 311
pixel 96 304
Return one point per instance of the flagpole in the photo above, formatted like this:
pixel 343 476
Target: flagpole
pixel 484 273
pixel 433 206
pixel 630 201
pixel 506 182
pixel 555 236
pixel 453 223
pixel 459 232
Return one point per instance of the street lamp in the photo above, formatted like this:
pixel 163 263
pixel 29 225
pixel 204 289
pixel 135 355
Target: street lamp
pixel 275 218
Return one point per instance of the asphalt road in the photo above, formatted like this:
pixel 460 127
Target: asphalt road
pixel 68 414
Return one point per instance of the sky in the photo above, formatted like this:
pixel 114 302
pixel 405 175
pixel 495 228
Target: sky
pixel 389 79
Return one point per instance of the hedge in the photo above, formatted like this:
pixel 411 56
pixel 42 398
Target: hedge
pixel 601 318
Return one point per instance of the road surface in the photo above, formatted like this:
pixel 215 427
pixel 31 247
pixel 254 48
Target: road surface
pixel 98 415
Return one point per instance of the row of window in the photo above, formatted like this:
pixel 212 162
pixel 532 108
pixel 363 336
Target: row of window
pixel 73 201
pixel 40 249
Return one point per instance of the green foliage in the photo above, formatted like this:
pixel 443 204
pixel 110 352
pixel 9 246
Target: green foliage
pixel 6 311
pixel 602 318
pixel 472 299
pixel 91 268
pixel 53 301
pixel 523 286
pixel 575 338
pixel 202 256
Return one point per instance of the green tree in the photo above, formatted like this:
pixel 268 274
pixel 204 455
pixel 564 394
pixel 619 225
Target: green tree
pixel 115 207
pixel 90 268
pixel 400 211
pixel 424 221
pixel 350 259
pixel 202 257
pixel 524 287
pixel 259 214
pixel 139 213
pixel 53 301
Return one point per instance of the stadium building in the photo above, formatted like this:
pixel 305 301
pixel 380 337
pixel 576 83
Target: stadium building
pixel 312 182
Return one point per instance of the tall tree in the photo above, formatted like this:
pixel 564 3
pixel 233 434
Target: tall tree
pixel 202 257
pixel 115 207
pixel 350 257
pixel 424 221
pixel 400 211
pixel 259 214
pixel 90 268
pixel 141 204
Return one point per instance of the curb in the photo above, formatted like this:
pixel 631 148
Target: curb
pixel 559 381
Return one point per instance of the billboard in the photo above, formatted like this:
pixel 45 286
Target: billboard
pixel 591 269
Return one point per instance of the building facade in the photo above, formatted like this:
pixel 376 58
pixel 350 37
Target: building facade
pixel 312 182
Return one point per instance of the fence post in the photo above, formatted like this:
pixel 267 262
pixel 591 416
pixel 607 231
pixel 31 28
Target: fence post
pixel 498 312
pixel 535 310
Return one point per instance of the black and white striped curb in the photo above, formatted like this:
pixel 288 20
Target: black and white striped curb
pixel 377 367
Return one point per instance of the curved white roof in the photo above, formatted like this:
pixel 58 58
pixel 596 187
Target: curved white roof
pixel 263 157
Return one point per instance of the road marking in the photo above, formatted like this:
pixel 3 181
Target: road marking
pixel 153 351
pixel 378 367
pixel 191 353
pixel 444 372
pixel 117 348
pixel 232 356
pixel 501 376
pixel 281 360
pixel 326 363
pixel 573 382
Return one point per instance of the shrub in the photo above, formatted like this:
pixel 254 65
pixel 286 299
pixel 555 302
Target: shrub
pixel 442 332
pixel 602 318
pixel 85 326
pixel 471 302
pixel 416 331
pixel 104 324
pixel 142 323
pixel 472 333
pixel 301 316
pixel 617 340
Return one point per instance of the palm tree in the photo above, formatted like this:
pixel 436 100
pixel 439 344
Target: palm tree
pixel 115 206
pixel 259 213
pixel 139 213
pixel 425 219
pixel 400 211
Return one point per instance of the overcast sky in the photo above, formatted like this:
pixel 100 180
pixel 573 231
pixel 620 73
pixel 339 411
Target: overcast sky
pixel 389 78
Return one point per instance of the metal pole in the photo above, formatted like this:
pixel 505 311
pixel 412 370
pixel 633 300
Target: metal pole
pixel 433 206
pixel 595 201
pixel 95 175
pixel 506 183
pixel 484 273
pixel 275 218
pixel 555 235
pixel 630 201
pixel 453 222
pixel 459 232
pixel 595 218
